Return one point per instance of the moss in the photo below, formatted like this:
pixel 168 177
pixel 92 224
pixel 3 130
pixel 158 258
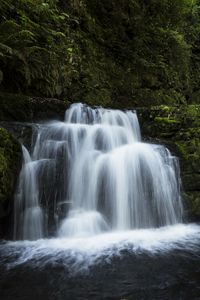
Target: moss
pixel 10 158
pixel 165 120
pixel 182 150
pixel 192 111
pixel 191 115
pixel 188 116
pixel 192 200
pixel 178 127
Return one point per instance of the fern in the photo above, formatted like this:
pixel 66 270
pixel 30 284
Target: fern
pixel 5 50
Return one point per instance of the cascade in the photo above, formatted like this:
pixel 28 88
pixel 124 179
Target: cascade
pixel 28 222
pixel 92 173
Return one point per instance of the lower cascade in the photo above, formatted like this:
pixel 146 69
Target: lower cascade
pixel 92 174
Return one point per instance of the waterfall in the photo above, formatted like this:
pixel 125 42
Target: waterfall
pixel 92 173
pixel 28 213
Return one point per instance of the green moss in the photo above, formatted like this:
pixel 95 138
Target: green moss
pixel 165 120
pixel 182 150
pixel 165 108
pixel 192 111
pixel 191 115
pixel 10 158
pixel 178 127
pixel 192 200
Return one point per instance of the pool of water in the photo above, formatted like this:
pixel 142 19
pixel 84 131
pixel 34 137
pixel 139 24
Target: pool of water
pixel 141 264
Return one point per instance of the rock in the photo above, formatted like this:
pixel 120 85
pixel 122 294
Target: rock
pixel 16 107
pixel 21 131
pixel 179 129
pixel 10 163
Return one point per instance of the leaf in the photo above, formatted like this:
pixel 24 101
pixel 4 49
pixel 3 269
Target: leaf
pixel 70 50
pixel 6 49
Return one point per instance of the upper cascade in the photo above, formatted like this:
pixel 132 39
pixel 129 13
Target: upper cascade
pixel 82 114
pixel 92 173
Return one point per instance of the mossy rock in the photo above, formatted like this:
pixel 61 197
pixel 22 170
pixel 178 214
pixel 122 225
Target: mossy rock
pixel 170 121
pixel 178 127
pixel 192 205
pixel 10 162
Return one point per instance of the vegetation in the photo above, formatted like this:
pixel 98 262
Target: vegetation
pixel 116 53
pixel 179 129
pixel 10 159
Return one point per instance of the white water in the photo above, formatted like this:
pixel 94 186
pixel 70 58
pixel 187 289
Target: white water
pixel 80 253
pixel 96 167
pixel 28 213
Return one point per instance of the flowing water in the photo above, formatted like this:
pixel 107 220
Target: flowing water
pixel 98 215
pixel 96 166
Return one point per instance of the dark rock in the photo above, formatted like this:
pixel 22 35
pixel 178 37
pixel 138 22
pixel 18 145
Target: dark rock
pixel 16 107
pixel 23 132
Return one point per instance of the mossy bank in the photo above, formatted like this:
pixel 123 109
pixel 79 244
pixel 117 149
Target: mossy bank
pixel 10 163
pixel 178 127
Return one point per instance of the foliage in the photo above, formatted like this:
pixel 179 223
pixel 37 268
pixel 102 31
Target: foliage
pixel 10 159
pixel 119 53
pixel 36 50
pixel 178 128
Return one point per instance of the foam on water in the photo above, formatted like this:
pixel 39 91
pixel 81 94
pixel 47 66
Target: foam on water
pixel 80 253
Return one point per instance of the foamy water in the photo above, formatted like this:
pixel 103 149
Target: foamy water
pixel 80 253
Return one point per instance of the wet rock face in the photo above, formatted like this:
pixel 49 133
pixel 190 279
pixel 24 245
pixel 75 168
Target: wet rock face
pixel 17 115
pixel 10 164
pixel 179 129
pixel 21 131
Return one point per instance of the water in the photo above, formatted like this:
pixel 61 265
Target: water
pixel 161 263
pixel 27 211
pixel 92 173
pixel 98 215
pixel 80 253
